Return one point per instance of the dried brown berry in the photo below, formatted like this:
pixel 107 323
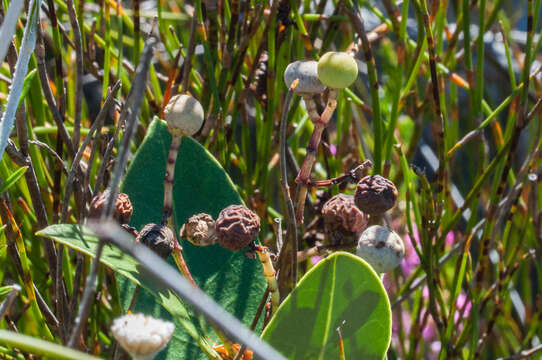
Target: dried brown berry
pixel 122 211
pixel 199 230
pixel 236 227
pixel 375 195
pixel 342 218
pixel 158 238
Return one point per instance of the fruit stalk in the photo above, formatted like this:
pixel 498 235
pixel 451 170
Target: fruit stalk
pixel 303 178
pixel 169 178
pixel 269 273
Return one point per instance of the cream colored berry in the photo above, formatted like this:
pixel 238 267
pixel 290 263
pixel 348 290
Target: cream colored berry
pixel 142 336
pixel 381 247
pixel 307 73
pixel 337 70
pixel 184 115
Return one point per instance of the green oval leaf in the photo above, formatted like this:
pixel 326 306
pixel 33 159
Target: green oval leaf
pixel 341 291
pixel 83 240
pixel 201 185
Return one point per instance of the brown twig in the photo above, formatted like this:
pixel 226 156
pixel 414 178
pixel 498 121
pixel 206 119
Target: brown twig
pixel 524 354
pixel 44 79
pixel 97 124
pixel 53 153
pixel 37 200
pixel 131 114
pixel 303 178
pixel 287 276
pixel 323 249
pixel 241 351
pixel 187 62
pixel 349 176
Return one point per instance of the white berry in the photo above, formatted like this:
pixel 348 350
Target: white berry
pixel 381 247
pixel 142 336
pixel 184 115
pixel 306 72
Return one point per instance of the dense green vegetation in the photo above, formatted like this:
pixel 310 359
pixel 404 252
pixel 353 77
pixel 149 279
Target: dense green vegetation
pixel 446 105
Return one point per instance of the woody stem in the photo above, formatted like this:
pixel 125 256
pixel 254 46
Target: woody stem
pixel 169 178
pixel 168 205
pixel 320 123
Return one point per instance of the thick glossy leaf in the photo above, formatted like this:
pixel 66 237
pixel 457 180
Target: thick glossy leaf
pixel 341 291
pixel 83 240
pixel 201 185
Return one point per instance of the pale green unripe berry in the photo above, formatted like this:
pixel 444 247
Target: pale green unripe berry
pixel 337 70
pixel 306 72
pixel 381 247
pixel 184 115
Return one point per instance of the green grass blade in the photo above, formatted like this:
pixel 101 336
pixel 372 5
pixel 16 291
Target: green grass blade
pixel 41 347
pixel 12 179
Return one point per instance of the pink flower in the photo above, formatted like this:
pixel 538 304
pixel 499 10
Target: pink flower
pixel 449 239
pixel 464 306
pixel 411 260
pixel 316 259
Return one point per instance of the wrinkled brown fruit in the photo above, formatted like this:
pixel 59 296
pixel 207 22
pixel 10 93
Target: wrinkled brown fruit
pixel 158 238
pixel 199 230
pixel 236 227
pixel 122 210
pixel 375 195
pixel 342 219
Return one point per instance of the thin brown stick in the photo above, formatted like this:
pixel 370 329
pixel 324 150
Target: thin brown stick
pixel 322 249
pixel 349 176
pixel 170 177
pixel 75 164
pixel 53 153
pixel 288 259
pixel 241 351
pixel 131 114
pixel 525 354
pixel 303 178
pixel 44 79
pixel 187 62
pixel 35 193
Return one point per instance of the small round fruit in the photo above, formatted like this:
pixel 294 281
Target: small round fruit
pixel 375 195
pixel 381 247
pixel 158 238
pixel 142 336
pixel 199 230
pixel 236 227
pixel 122 211
pixel 342 219
pixel 184 115
pixel 307 73
pixel 337 70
